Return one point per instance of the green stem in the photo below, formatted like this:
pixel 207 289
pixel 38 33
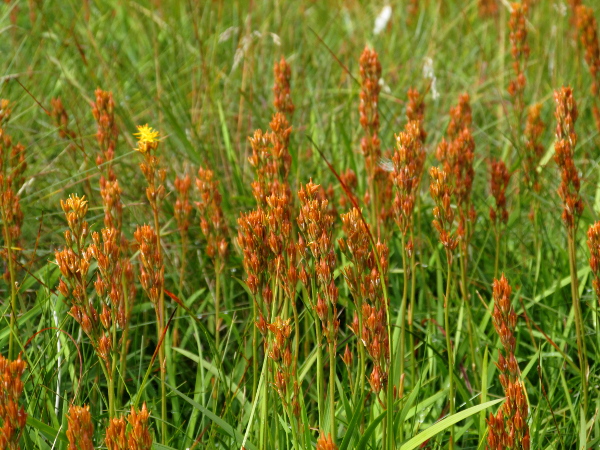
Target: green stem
pixel 320 387
pixel 161 329
pixel 124 337
pixel 411 308
pixel 402 350
pixel 467 300
pixel 497 257
pixel 13 295
pixel 217 300
pixel 332 388
pixel 449 345
pixel 264 423
pixel 579 328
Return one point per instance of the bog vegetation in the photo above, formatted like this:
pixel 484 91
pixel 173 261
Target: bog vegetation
pixel 331 225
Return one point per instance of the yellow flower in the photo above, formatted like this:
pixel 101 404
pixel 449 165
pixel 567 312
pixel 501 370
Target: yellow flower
pixel 147 138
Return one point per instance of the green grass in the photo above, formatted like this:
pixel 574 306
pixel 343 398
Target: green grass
pixel 201 74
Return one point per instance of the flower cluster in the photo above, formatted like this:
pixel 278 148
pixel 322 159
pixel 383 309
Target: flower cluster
pixel 508 428
pixel 155 174
pixel 519 51
pixel 409 161
pixel 131 432
pixel 488 7
pixel 415 111
pixel 271 160
pixel 80 430
pixel 212 221
pixel 366 277
pixel 370 73
pixel 103 110
pixel 588 34
pixel 325 442
pixel 152 269
pixel 533 146
pixel 499 179
pixel 281 89
pixel 566 140
pixel 593 243
pixel 12 416
pixel 12 168
pixel 183 207
pixel 457 156
pixel 278 350
pixel 61 120
pixel 315 248
pixel 252 236
pixel 443 214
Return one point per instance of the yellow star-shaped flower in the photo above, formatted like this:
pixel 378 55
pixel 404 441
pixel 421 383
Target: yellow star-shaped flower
pixel 147 138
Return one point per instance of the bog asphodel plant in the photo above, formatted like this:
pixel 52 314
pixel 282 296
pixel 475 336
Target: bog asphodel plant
pixel 441 191
pixel 98 321
pixel 12 167
pixel 508 429
pixel 564 150
pixel 409 162
pixel 149 240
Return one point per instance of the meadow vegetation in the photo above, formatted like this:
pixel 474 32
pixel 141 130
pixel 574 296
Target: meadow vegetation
pixel 301 224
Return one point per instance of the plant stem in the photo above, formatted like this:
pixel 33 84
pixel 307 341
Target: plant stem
pixel 217 300
pixel 402 349
pixel 449 345
pixel 320 388
pixel 161 330
pixel 465 291
pixel 332 389
pixel 579 328
pixel 13 293
pixel 497 258
pixel 254 350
